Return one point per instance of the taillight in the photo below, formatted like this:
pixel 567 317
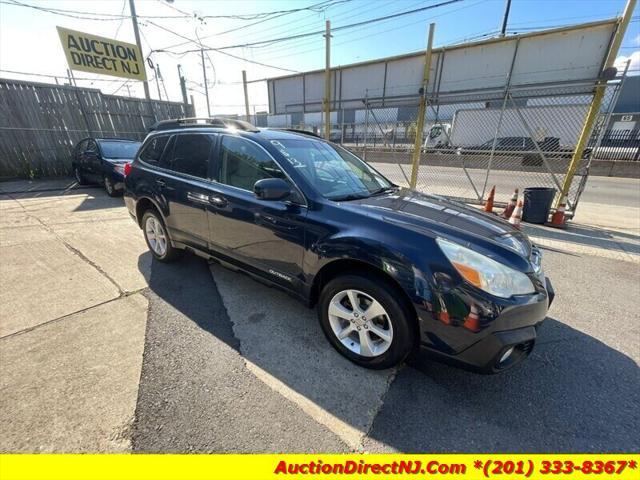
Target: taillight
pixel 127 169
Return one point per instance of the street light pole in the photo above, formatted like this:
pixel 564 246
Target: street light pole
pixel 136 32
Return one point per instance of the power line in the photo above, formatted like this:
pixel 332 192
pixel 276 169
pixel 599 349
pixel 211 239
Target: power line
pixel 318 32
pixel 379 32
pixel 205 47
pixel 124 5
pixel 278 48
pixel 311 8
pixel 110 16
pixel 330 4
pixel 60 76
pixel 80 16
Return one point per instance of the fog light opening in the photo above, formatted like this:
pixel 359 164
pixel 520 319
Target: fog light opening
pixel 505 356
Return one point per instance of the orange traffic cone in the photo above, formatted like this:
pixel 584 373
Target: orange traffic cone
pixel 558 218
pixel 472 321
pixel 516 217
pixel 511 205
pixel 488 206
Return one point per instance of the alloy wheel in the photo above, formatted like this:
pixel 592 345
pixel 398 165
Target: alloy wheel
pixel 156 236
pixel 360 323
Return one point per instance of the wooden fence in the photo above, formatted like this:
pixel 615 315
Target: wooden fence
pixel 40 123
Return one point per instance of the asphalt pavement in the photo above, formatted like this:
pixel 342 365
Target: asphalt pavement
pixel 212 339
pixel 612 191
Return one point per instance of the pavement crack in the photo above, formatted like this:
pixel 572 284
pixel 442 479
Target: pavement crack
pixel 390 379
pixel 70 247
pixel 87 260
pixel 66 315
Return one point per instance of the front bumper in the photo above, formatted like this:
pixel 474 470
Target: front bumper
pixel 492 337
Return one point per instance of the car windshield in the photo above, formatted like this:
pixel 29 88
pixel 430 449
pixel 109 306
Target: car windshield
pixel 119 149
pixel 336 173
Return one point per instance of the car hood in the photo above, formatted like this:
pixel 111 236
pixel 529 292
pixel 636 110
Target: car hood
pixel 437 215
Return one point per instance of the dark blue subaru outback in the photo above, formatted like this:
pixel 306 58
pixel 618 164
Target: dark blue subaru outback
pixel 389 269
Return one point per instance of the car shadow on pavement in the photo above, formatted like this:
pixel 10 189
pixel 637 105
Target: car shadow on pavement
pixel 574 393
pixel 60 190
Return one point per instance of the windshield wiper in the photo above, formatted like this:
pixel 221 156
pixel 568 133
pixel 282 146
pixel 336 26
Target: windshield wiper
pixel 383 190
pixel 346 198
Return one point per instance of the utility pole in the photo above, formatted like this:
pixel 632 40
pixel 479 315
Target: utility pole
pixel 183 88
pixel 594 108
pixel 206 87
pixel 507 7
pixel 417 146
pixel 155 70
pixel 164 87
pixel 136 32
pixel 246 94
pixel 327 80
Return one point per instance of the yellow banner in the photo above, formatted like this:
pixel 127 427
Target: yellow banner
pixel 258 467
pixel 105 56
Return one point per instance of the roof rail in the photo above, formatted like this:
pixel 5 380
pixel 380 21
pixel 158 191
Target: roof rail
pixel 297 130
pixel 203 121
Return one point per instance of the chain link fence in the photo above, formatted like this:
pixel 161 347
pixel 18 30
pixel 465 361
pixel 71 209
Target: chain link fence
pixel 472 140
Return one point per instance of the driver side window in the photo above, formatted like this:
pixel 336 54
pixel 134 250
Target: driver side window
pixel 243 163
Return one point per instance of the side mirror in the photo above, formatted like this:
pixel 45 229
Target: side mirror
pixel 272 189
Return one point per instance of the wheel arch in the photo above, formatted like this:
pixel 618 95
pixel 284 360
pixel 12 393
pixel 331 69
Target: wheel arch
pixel 142 205
pixel 339 267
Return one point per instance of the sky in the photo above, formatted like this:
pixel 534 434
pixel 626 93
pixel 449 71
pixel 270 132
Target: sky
pixel 29 41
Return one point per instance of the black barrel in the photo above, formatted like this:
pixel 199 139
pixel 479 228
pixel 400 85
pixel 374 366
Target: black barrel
pixel 537 204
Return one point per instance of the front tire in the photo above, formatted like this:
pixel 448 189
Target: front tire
pixel 157 238
pixel 79 177
pixel 364 320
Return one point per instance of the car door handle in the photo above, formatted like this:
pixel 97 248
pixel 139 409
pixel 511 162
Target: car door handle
pixel 268 219
pixel 217 200
pixel 198 198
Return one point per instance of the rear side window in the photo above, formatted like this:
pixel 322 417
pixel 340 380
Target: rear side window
pixel 152 151
pixel 191 154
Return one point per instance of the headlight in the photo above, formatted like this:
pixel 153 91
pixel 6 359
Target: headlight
pixel 485 273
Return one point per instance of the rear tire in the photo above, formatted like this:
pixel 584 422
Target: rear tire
pixel 157 238
pixel 382 340
pixel 110 187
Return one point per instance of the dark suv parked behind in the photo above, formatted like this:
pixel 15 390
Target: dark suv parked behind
pixel 389 269
pixel 103 160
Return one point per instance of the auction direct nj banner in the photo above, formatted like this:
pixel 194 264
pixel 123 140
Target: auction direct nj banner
pixel 357 466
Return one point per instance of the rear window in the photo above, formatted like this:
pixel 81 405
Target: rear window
pixel 152 151
pixel 119 149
